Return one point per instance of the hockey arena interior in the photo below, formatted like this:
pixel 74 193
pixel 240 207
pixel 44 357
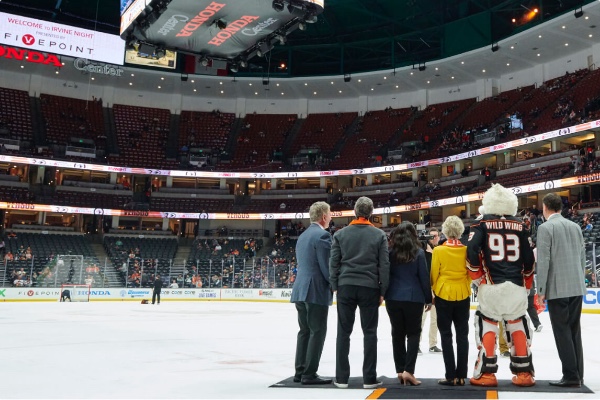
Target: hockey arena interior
pixel 186 141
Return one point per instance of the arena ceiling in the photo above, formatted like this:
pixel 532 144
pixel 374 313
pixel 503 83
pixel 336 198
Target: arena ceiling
pixel 379 42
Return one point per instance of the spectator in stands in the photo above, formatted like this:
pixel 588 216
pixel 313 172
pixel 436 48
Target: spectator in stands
pixel 89 280
pixel 487 173
pixel 9 256
pixel 174 284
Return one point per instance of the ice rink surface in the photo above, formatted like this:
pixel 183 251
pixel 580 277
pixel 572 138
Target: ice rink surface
pixel 208 350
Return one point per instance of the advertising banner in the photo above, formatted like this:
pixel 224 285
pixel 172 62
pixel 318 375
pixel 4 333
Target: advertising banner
pixel 48 37
pixel 591 300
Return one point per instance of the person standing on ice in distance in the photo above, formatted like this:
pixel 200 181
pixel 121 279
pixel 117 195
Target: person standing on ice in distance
pixel 500 259
pixel 312 294
pixel 157 288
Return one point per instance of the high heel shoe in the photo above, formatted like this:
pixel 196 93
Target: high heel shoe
pixel 400 378
pixel 409 379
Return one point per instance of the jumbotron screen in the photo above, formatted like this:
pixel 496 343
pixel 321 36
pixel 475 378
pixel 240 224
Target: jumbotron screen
pixel 220 29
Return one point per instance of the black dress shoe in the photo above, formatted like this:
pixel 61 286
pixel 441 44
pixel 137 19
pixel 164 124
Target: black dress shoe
pixel 297 379
pixel 566 383
pixel 316 381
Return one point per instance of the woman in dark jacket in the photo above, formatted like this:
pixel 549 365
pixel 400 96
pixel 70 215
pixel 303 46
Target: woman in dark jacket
pixel 408 294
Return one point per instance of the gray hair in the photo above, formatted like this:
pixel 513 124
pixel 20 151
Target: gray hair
pixel 317 210
pixel 453 227
pixel 363 207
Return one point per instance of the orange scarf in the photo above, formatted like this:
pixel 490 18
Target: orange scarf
pixel 361 221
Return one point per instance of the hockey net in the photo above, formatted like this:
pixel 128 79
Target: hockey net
pixel 72 292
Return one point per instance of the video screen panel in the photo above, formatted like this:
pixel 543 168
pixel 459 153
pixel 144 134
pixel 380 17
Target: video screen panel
pixel 130 10
pixel 125 5
pixel 147 56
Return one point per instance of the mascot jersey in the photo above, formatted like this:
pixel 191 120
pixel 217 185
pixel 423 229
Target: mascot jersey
pixel 499 251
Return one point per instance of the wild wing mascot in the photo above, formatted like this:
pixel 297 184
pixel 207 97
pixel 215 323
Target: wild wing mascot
pixel 500 258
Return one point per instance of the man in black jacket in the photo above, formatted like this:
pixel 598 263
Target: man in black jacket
pixel 157 288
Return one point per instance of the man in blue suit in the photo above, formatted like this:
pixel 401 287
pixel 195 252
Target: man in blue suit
pixel 312 294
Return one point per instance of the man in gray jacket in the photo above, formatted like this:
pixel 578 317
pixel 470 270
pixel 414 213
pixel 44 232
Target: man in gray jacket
pixel 312 294
pixel 561 281
pixel 359 270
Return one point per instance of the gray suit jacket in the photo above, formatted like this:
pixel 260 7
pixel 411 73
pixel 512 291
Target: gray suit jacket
pixel 312 279
pixel 560 259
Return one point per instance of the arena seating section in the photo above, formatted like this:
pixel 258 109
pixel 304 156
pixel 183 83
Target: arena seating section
pixel 209 129
pixel 150 249
pixel 67 117
pixel 92 199
pixel 375 129
pixel 142 137
pixel 322 131
pixel 191 204
pixel 265 135
pixel 45 248
pixel 142 134
pixel 15 114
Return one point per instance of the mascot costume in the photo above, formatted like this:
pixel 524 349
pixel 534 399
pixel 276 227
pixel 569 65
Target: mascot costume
pixel 500 260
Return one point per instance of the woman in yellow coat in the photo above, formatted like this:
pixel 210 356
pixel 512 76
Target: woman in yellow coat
pixel 451 286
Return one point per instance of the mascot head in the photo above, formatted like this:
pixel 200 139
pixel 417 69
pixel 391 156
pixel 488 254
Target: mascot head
pixel 499 200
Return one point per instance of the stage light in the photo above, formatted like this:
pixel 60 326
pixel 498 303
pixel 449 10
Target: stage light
pixel 263 48
pixel 265 80
pixel 422 67
pixel 302 26
pixel 495 47
pixel 278 5
pixel 204 61
pixel 310 18
pixel 234 68
pixel 184 77
pixel 243 63
pixel 282 39
pixel 347 78
pixel 579 13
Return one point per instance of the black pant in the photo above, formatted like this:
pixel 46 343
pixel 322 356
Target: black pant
pixel 532 311
pixel 367 300
pixel 155 295
pixel 565 316
pixel 405 318
pixel 457 313
pixel 312 319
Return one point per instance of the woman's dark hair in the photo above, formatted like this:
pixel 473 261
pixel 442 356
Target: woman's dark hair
pixel 405 243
